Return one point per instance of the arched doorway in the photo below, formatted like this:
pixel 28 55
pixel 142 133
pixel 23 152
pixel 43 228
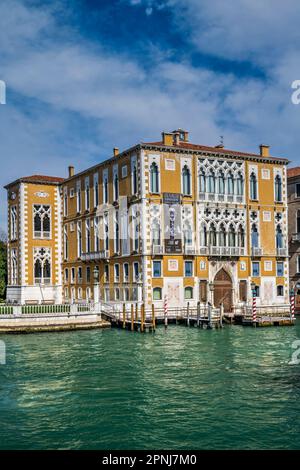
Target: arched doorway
pixel 223 290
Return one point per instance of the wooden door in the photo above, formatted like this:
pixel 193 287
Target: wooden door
pixel 223 290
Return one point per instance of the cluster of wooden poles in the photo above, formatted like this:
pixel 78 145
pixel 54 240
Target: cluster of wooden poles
pixel 137 317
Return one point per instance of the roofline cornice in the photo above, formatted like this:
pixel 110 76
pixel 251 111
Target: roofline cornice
pixel 104 163
pixel 23 180
pixel 205 153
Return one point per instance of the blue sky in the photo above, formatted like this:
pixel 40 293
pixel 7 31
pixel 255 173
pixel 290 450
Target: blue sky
pixel 85 76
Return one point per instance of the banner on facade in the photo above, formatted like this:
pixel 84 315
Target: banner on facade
pixel 172 223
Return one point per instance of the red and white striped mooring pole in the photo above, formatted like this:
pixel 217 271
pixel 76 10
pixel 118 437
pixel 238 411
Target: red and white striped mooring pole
pixel 253 306
pixel 292 300
pixel 166 310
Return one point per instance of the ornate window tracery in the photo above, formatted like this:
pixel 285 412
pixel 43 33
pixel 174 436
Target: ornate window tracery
pixel 42 265
pixel 42 221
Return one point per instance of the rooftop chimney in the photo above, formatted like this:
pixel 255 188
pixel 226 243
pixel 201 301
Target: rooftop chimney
pixel 264 150
pixel 167 138
pixel 116 151
pixel 71 171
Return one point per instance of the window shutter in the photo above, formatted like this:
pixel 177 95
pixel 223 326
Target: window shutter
pixel 243 291
pixel 203 291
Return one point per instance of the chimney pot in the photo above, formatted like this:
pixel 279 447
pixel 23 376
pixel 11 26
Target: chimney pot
pixel 264 150
pixel 116 151
pixel 71 171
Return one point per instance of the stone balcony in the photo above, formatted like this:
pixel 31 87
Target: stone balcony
pixel 215 197
pixel 95 255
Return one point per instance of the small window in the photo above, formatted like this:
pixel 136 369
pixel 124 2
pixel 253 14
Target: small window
pixel 106 273
pixel 297 189
pixel 157 293
pixel 66 275
pixel 156 268
pixel 280 269
pixel 136 271
pixel 124 171
pixel 256 291
pixel 73 275
pixel 79 293
pixel 88 274
pixel 188 268
pixel 79 274
pixel 188 293
pixel 117 272
pixel 126 272
pixel 117 294
pixel 255 268
pixel 126 294
pixel 279 291
pixel 298 264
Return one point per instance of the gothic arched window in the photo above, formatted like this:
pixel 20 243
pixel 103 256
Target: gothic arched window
pixel 240 185
pixel 253 186
pixel 38 270
pixel 278 189
pixel 42 265
pixel 213 236
pixel 222 236
pixel 211 183
pixel 298 221
pixel 279 237
pixel 42 221
pixel 116 187
pixel 230 184
pixel 221 183
pixel 186 181
pixel 241 237
pixel 202 182
pixel 203 236
pixel 154 178
pixel 254 236
pixel 231 236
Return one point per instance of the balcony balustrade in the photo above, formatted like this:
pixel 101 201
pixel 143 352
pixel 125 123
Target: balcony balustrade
pixel 282 252
pixel 157 249
pixel 95 255
pixel 296 237
pixel 215 197
pixel 226 251
pixel 256 252
pixel 189 250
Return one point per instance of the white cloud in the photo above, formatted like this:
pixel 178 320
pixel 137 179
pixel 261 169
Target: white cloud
pixel 81 100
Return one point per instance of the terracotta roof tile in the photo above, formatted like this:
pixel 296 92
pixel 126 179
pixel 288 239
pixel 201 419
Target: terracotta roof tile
pixel 291 172
pixel 42 179
pixel 204 148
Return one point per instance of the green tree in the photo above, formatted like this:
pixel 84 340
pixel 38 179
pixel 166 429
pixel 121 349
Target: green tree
pixel 3 265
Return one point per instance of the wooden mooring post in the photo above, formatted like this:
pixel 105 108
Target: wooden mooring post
pixel 166 311
pixel 221 314
pixel 198 314
pixel 153 318
pixel 142 318
pixel 209 316
pixel 136 312
pixel 124 316
pixel 188 314
pixel 132 318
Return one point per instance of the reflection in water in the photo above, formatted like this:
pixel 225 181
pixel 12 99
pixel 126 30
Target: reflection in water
pixel 180 388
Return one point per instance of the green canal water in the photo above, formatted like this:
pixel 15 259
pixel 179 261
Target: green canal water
pixel 182 388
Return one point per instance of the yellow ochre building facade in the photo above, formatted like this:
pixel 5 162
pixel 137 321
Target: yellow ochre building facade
pixel 162 220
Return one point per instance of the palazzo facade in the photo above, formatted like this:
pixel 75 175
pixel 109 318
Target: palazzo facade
pixel 166 219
